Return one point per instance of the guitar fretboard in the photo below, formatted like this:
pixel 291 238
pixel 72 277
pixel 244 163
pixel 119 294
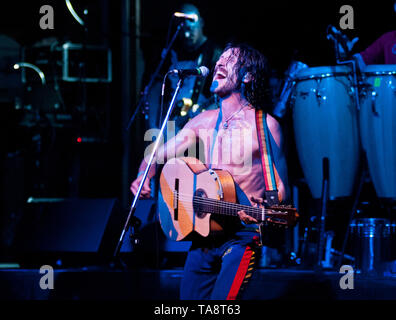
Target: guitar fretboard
pixel 215 206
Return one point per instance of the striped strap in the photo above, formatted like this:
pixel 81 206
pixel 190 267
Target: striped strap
pixel 266 156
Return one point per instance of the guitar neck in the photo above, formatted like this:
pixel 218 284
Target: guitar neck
pixel 214 206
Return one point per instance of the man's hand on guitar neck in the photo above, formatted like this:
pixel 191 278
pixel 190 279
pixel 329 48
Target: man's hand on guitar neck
pixel 246 218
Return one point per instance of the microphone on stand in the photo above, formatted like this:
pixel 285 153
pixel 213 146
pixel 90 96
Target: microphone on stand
pixel 200 72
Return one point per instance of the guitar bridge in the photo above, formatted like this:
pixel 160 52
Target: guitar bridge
pixel 176 200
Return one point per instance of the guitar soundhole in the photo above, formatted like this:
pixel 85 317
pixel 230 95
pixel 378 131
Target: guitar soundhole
pixel 198 204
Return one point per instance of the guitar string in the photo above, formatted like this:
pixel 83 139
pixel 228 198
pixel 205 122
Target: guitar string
pixel 260 217
pixel 224 212
pixel 221 203
pixel 225 205
pixel 258 212
pixel 218 202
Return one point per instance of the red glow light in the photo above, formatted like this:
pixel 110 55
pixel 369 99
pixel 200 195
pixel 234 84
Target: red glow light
pixel 79 139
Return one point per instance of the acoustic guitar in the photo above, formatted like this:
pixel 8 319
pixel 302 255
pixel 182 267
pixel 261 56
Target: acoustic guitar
pixel 190 193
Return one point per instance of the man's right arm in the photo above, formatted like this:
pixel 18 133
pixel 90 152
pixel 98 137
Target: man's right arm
pixel 172 148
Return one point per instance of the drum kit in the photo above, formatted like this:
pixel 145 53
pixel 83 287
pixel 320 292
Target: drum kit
pixel 329 123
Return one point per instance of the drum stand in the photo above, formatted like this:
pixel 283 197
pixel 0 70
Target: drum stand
pixel 364 166
pixel 325 197
pixel 363 176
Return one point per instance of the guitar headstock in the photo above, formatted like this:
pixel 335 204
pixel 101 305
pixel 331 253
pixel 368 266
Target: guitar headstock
pixel 282 215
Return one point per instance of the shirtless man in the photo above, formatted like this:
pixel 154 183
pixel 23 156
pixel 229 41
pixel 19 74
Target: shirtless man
pixel 217 266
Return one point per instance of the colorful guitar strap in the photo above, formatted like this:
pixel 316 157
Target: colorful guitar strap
pixel 268 165
pixel 263 134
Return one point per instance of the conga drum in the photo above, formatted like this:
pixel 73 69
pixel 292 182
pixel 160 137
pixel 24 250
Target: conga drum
pixel 325 126
pixel 378 127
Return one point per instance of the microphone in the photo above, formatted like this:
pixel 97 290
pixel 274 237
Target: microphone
pixel 192 16
pixel 200 72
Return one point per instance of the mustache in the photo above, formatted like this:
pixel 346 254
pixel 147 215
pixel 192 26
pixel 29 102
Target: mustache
pixel 221 69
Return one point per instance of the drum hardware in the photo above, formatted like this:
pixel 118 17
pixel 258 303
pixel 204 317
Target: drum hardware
pixel 372 243
pixel 319 93
pixel 373 101
pixel 375 109
pixel 320 96
pixel 323 213
pixel 336 253
pixel 292 98
pixel 340 41
pixel 327 262
pixel 351 92
pixel 364 175
pixel 286 93
pixel 309 248
pixel 305 94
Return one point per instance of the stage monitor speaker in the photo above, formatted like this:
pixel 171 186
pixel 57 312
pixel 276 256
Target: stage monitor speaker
pixel 73 225
pixel 150 247
pixel 150 235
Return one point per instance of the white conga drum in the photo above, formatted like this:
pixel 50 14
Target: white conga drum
pixel 378 127
pixel 325 126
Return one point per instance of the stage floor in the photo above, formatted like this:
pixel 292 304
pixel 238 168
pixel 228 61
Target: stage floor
pixel 99 283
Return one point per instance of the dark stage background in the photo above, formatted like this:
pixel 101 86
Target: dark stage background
pixel 91 154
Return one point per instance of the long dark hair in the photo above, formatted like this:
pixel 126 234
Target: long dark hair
pixel 252 61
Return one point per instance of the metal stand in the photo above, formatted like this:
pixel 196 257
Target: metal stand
pixel 147 89
pixel 149 163
pixel 364 168
pixel 363 176
pixel 322 220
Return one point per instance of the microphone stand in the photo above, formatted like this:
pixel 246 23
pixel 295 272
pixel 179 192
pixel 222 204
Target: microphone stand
pixel 341 41
pixel 363 167
pixel 164 54
pixel 323 214
pixel 149 163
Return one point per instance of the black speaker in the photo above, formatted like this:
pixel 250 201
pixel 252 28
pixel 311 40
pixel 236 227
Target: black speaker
pixel 150 233
pixel 64 226
pixel 148 243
